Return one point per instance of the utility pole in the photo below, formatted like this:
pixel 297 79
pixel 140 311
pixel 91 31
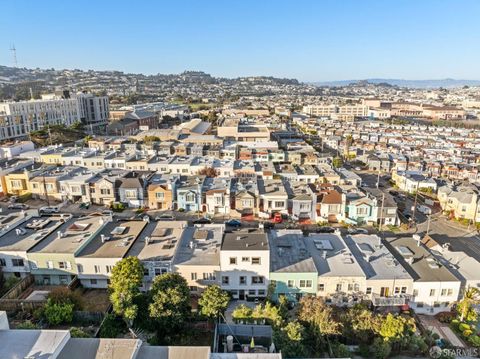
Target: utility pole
pixel 45 189
pixel 428 223
pixel 415 206
pixel 381 214
pixel 14 55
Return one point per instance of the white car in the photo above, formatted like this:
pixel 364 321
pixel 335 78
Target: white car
pixel 49 210
pixel 357 231
pixel 424 209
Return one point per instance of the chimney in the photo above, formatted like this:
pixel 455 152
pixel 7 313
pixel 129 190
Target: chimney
pixel 324 254
pixel 147 240
pixel 59 234
pixel 103 238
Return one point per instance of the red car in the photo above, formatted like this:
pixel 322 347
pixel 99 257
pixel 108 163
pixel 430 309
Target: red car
pixel 277 218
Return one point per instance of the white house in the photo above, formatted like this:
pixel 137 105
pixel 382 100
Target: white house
pixel 245 263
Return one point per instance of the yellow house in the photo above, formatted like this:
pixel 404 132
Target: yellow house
pixel 53 157
pixel 19 182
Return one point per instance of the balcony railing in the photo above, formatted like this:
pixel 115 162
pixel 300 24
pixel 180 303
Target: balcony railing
pixel 379 301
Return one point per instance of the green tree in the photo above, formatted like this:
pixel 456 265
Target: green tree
pixel 127 276
pixel 289 340
pixel 57 313
pixel 337 162
pixel 314 311
pixel 242 312
pixel 170 304
pixel 394 327
pixel 214 301
pixel 359 323
pixel 340 350
pixel 465 307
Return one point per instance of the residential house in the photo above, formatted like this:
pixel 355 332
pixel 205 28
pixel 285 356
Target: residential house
pixel 189 193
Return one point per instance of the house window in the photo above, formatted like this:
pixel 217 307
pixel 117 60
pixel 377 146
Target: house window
pixel 190 197
pixel 432 292
pixel 369 290
pixel 17 262
pixel 50 265
pixel 261 292
pixel 131 193
pixel 16 184
pixel 233 260
pixel 339 287
pixel 255 260
pixel 350 287
pixel 97 268
pixel 251 292
pixel 93 281
pixel 193 276
pixel 257 280
pixel 3 263
pixel 443 292
pixel 105 191
pixel 397 290
pixel 80 268
pixel 109 269
pixel 415 292
pixel 362 211
pixel 279 204
pixel 245 259
pixel 356 287
pixel 225 280
pixel 193 288
pixel 243 280
pixel 419 304
pixel 160 195
pixel 146 272
pixel 449 292
pixel 290 283
pixel 62 265
pixel 403 290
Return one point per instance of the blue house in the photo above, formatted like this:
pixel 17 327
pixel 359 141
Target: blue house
pixel 361 209
pixel 189 193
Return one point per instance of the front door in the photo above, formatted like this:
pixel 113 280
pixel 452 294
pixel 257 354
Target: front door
pixel 241 294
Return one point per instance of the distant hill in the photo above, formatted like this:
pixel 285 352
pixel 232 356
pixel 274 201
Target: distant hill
pixel 445 83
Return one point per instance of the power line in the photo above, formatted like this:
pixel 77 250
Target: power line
pixel 14 54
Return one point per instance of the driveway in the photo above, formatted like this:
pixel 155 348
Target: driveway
pixel 442 329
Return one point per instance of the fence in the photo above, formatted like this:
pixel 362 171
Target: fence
pixel 11 302
pixel 241 330
pixel 19 288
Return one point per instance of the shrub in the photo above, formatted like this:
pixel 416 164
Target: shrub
pixel 467 332
pixel 380 348
pixel 455 322
pixel 463 326
pixel 445 317
pixel 78 333
pixel 341 351
pixel 28 324
pixel 57 313
pixel 474 340
pixel 111 327
pixel 181 209
pixel 62 295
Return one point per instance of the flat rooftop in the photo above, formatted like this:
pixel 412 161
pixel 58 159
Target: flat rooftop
pixel 95 348
pixel 159 241
pixel 200 245
pixel 118 238
pixel 288 252
pixel 332 256
pixel 37 344
pixel 176 352
pixel 375 259
pixel 245 240
pixel 71 235
pixel 25 235
pixel 418 261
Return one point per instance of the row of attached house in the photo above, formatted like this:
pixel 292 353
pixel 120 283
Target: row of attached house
pixel 426 274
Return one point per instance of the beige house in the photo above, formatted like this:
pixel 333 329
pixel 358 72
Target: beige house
pixel 461 202
pixel 198 257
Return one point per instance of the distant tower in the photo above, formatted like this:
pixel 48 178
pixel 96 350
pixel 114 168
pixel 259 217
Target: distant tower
pixel 14 54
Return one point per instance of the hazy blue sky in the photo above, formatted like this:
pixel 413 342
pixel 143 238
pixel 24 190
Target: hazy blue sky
pixel 310 40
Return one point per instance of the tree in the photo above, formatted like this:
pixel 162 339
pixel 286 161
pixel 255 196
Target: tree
pixel 359 323
pixel 209 172
pixel 78 333
pixel 394 327
pixel 340 351
pixel 465 306
pixel 313 310
pixel 170 304
pixel 127 276
pixel 57 313
pixel 62 295
pixel 337 162
pixel 214 301
pixel 289 339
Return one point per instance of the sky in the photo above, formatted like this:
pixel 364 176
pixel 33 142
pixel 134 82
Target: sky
pixel 316 40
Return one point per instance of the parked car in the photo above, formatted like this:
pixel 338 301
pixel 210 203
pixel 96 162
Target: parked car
pixel 49 210
pixel 13 199
pixel 84 205
pixel 325 229
pixel 357 231
pixel 18 206
pixel 277 218
pixel 393 193
pixel 424 209
pixel 234 223
pixel 165 217
pixel 203 220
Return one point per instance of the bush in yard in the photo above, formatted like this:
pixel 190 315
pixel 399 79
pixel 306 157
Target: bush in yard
pixel 466 333
pixel 27 325
pixel 474 340
pixel 57 313
pixel 78 333
pixel 112 326
pixel 380 348
pixel 62 295
pixel 463 326
pixel 445 317
pixel 340 351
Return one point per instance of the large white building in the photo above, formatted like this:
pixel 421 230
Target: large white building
pixel 18 119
